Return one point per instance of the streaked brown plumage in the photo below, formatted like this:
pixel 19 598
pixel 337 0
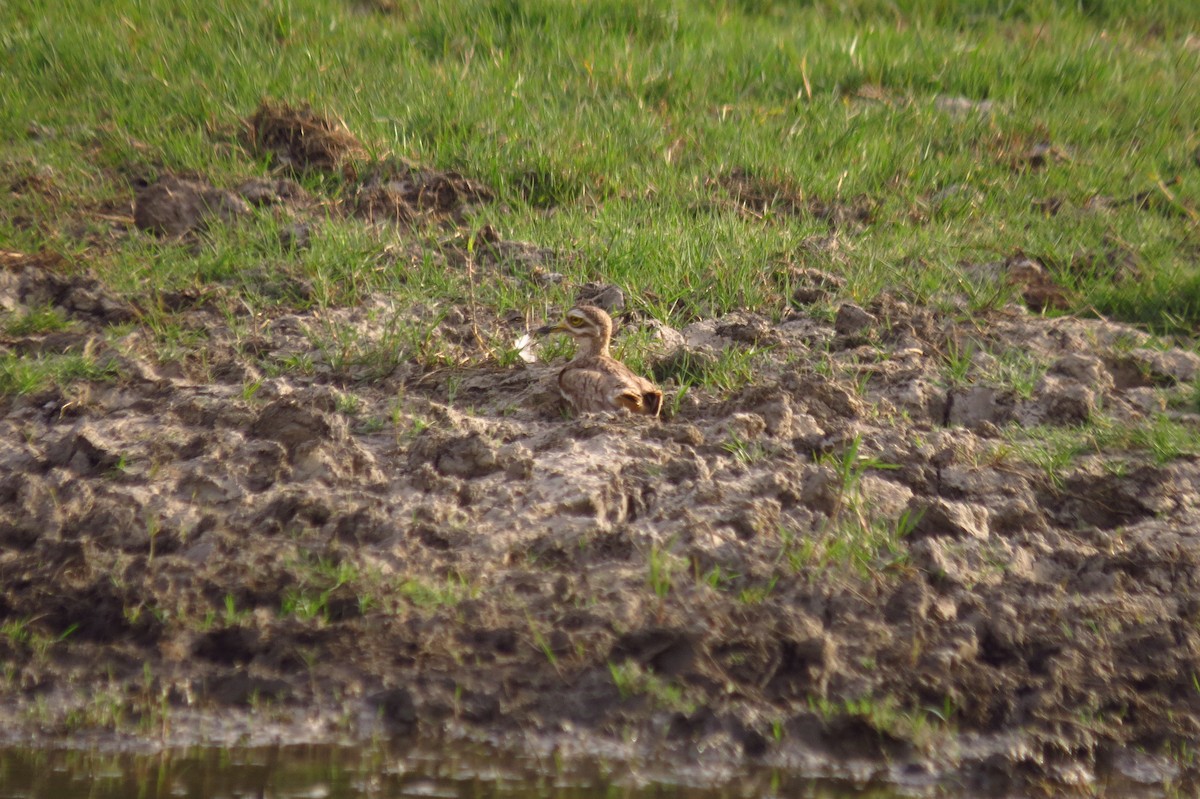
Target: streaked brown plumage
pixel 594 380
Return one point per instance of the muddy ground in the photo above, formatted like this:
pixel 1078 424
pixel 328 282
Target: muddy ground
pixel 852 562
pixel 448 554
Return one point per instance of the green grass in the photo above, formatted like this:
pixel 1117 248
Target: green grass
pixel 925 728
pixel 1057 450
pixel 853 535
pixel 661 564
pixel 36 320
pixel 606 128
pixel 30 374
pixel 632 680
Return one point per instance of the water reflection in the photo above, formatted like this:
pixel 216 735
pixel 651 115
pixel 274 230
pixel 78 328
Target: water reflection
pixel 332 772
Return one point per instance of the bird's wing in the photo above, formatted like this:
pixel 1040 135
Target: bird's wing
pixel 608 385
pixel 638 395
pixel 587 389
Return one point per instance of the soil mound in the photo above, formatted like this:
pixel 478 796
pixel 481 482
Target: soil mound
pixel 301 139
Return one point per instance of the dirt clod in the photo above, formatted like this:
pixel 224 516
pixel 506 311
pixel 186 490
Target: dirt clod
pixel 176 206
pixel 610 298
pixel 302 139
pixel 812 285
pixel 852 320
pixel 944 518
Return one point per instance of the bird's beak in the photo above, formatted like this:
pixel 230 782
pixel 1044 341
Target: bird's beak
pixel 546 330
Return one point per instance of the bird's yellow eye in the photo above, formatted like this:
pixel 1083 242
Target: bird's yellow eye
pixel 574 321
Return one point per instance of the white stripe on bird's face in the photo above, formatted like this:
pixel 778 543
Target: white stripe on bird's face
pixel 582 323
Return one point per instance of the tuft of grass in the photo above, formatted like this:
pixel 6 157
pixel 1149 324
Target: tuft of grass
pixel 31 374
pixel 723 372
pixel 374 351
pixel 1018 371
pixel 41 319
pixel 745 452
pixel 661 565
pixel 850 535
pixel 1162 438
pixel 1055 450
pixel 348 404
pixel 632 680
pixel 849 466
pixel 317 579
pixel 23 636
pixel 426 594
pixel 923 727
pixel 957 361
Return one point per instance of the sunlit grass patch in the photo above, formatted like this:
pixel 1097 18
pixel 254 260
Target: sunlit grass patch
pixel 28 374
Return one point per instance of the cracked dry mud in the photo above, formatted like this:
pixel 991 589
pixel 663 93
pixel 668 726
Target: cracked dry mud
pixel 199 551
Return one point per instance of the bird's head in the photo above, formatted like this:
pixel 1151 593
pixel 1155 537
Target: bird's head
pixel 587 324
pixel 582 321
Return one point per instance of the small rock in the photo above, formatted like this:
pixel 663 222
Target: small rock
pixel 852 320
pixel 28 511
pixel 886 498
pixel 745 426
pixel 776 412
pixel 1167 368
pixel 752 330
pixel 396 708
pixel 941 517
pixel 669 339
pixel 755 519
pixel 174 206
pixel 464 456
pixel 821 490
pixel 911 601
pixel 85 451
pixel 608 297
pixel 292 422
pixel 520 463
pixel 923 399
pixel 1084 368
pixel 1059 402
pixel 979 405
pixel 543 278
pixel 1146 400
pixel 228 645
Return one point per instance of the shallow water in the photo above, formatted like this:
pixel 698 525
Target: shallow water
pixel 332 772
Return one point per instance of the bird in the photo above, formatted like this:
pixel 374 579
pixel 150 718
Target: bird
pixel 594 380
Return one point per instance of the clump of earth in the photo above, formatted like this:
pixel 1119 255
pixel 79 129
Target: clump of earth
pixel 842 560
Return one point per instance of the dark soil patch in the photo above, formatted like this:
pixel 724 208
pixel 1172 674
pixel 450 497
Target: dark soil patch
pixel 40 280
pixel 546 188
pixel 396 191
pixel 1038 289
pixel 391 189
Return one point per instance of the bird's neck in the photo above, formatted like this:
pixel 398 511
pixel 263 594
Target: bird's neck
pixel 591 348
